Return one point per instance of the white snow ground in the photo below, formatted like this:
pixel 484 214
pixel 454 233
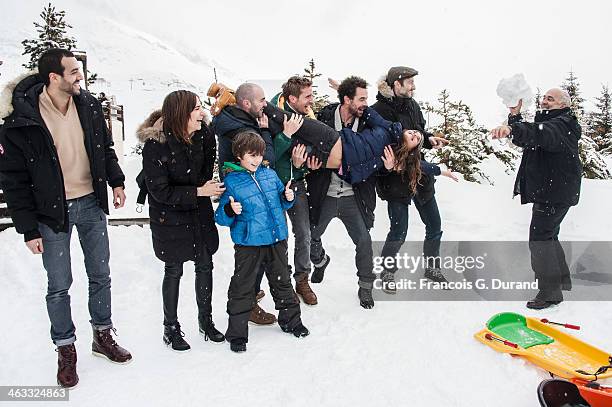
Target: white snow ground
pixel 399 353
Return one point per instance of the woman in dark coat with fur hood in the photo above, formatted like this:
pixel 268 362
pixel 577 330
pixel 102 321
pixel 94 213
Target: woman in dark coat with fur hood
pixel 178 158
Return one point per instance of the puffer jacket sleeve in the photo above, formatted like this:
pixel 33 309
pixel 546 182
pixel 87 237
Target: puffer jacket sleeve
pixel 158 181
pixel 221 215
pixel 15 181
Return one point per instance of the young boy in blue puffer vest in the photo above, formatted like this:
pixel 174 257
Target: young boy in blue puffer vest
pixel 253 206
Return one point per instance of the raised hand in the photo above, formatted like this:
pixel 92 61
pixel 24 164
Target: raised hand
pixel 298 155
pixel 236 206
pixel 263 121
pixel 211 188
pixel 334 84
pixel 389 158
pixel 449 174
pixel 289 195
pixel 438 142
pixel 501 132
pixel 290 126
pixel 516 109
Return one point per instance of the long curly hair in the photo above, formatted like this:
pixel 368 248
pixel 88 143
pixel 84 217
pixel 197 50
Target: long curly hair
pixel 408 164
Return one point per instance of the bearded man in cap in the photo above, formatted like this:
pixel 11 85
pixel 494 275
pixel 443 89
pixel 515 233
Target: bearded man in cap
pixel 395 103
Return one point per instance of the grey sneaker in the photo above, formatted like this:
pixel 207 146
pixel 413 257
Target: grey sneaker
pixel 434 274
pixel 388 282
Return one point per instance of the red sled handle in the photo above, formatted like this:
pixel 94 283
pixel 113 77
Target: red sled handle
pixel 568 326
pixel 505 342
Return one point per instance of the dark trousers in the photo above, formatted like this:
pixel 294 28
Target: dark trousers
pixel 299 214
pixel 203 288
pixel 547 255
pixel 345 209
pixel 398 218
pixel 241 292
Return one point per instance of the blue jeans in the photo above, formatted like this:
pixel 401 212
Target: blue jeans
pixel 398 217
pixel 90 222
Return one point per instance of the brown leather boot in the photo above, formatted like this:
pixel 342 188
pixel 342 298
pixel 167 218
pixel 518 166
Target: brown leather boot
pixel 303 289
pixel 67 376
pixel 260 295
pixel 104 345
pixel 260 317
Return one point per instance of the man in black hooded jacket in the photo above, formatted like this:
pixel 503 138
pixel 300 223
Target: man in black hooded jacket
pixel 56 158
pixel 549 176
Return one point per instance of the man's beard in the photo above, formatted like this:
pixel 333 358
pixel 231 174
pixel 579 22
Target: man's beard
pixel 355 112
pixel 408 95
pixel 256 113
pixel 72 90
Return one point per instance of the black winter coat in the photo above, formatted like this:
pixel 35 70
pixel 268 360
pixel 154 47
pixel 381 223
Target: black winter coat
pixel 231 121
pixel 550 172
pixel 30 172
pixel 407 111
pixel 318 181
pixel 182 224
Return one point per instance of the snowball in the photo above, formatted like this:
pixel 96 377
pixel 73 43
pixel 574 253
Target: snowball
pixel 514 88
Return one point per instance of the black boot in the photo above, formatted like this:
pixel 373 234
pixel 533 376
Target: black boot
pixel 238 345
pixel 319 270
pixel 173 337
pixel 207 328
pixel 545 299
pixel 299 331
pixel 203 289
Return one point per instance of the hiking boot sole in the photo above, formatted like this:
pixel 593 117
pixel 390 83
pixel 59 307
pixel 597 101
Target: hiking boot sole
pixel 303 301
pixel 256 324
pixel 66 387
pixel 103 356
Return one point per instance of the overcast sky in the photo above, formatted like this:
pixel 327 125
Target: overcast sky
pixel 465 46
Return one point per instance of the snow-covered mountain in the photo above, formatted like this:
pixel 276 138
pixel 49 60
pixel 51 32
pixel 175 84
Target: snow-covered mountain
pixel 136 66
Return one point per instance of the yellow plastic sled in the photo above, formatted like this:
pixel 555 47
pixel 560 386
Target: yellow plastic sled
pixel 542 344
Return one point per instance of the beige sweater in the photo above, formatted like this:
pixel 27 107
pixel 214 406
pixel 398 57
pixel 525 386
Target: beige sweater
pixel 69 141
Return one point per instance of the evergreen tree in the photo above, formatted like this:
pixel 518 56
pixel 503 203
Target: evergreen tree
pixel 320 101
pixel 469 143
pixel 600 126
pixel 572 87
pixel 51 34
pixel 593 164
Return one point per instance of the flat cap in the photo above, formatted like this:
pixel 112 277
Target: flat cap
pixel 400 72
